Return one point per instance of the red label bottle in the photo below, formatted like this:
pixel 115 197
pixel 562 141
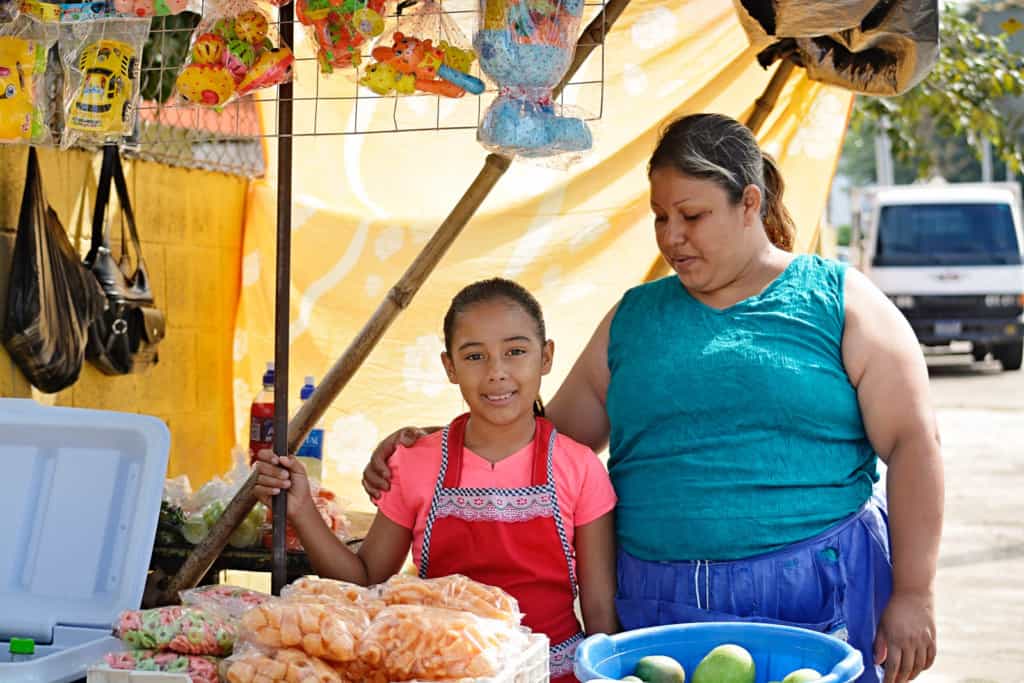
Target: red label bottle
pixel 261 417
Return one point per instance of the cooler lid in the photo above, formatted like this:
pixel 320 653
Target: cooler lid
pixel 78 514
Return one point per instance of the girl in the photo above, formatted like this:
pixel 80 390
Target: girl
pixel 498 495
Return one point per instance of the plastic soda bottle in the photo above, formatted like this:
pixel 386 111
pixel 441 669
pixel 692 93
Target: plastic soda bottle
pixel 311 452
pixel 261 416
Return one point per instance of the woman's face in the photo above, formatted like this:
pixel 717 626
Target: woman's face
pixel 704 236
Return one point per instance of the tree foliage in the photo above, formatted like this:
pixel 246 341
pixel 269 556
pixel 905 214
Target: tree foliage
pixel 959 100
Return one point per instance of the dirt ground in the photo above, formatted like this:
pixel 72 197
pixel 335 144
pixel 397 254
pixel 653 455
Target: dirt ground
pixel 980 586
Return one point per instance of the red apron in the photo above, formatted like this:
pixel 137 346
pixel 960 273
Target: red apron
pixel 513 538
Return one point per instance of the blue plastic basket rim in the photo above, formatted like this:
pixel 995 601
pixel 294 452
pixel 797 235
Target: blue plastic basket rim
pixel 851 666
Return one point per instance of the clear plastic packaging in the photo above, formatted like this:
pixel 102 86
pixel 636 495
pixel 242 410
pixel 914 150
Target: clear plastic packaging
pixel 230 600
pixel 150 8
pixel 233 54
pixel 336 591
pixel 340 29
pixel 24 44
pixel 253 665
pixel 526 47
pixel 101 88
pixel 408 642
pixel 409 64
pixel 330 511
pixel 185 630
pixel 327 631
pixel 199 668
pixel 454 592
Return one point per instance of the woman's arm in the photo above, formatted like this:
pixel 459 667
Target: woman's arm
pixel 595 567
pixel 884 363
pixel 578 407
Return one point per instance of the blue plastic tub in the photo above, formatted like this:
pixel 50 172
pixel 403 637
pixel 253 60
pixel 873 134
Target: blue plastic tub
pixel 777 650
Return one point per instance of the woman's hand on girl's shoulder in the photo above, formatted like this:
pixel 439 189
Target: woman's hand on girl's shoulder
pixel 377 473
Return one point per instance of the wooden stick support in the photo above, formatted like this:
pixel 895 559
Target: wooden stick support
pixel 398 298
pixel 766 102
pixel 592 36
pixel 763 106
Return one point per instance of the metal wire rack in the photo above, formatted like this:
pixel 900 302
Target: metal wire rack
pixel 229 140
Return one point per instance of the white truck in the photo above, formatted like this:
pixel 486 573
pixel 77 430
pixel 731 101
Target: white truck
pixel 950 257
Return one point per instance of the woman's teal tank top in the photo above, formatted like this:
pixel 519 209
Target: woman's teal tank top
pixel 734 432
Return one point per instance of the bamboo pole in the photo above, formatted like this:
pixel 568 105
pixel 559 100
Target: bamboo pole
pixel 763 106
pixel 398 298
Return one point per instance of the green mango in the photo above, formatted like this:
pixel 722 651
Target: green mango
pixel 659 669
pixel 802 676
pixel 725 664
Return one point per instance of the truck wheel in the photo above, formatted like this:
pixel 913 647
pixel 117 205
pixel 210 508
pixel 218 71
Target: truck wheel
pixel 1010 355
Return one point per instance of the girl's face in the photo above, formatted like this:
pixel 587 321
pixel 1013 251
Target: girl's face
pixel 704 236
pixel 497 359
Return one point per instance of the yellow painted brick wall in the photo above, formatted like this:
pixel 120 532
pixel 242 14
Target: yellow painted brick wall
pixel 190 223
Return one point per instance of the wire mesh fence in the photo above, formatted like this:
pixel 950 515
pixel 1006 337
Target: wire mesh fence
pixel 229 140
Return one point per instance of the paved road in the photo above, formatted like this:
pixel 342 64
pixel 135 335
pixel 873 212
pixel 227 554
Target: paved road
pixel 981 568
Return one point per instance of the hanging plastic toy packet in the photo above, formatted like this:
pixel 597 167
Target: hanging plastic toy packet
pixel 526 47
pixel 341 29
pixel 150 8
pixel 101 85
pixel 424 51
pixel 233 54
pixel 24 44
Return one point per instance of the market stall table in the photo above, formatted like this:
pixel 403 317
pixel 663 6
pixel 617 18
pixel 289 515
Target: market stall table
pixel 167 559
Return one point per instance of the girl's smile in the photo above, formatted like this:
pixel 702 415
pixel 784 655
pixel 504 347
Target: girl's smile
pixel 498 359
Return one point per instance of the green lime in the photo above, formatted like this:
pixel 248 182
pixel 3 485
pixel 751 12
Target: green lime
pixel 195 529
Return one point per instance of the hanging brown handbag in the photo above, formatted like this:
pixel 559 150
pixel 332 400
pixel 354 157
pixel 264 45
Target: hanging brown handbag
pixel 124 338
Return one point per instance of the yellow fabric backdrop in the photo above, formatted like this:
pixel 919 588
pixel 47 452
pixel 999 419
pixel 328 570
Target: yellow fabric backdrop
pixel 365 206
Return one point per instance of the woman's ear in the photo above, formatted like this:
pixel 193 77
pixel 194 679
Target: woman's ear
pixel 753 199
pixel 449 367
pixel 547 356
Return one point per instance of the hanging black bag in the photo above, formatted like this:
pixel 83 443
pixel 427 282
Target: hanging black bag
pixel 125 336
pixel 51 298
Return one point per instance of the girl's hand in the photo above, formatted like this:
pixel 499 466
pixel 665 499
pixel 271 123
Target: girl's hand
pixel 905 642
pixel 377 474
pixel 282 474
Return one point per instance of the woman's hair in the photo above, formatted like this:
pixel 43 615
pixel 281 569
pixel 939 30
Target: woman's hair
pixel 489 290
pixel 719 148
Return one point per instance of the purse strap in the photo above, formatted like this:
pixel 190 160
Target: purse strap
pixel 112 170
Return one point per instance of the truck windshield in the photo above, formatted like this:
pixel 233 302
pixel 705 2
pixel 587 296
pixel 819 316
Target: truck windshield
pixel 946 234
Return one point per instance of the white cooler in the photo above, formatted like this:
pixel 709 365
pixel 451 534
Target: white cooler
pixel 78 515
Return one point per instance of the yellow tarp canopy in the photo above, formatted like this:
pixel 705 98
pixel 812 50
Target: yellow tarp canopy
pixel 365 206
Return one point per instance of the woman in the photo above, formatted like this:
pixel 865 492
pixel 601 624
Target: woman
pixel 745 402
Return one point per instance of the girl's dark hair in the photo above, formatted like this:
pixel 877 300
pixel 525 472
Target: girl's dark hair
pixel 489 290
pixel 720 148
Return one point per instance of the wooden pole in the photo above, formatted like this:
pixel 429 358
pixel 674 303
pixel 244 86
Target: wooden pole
pixel 398 298
pixel 766 102
pixel 763 106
